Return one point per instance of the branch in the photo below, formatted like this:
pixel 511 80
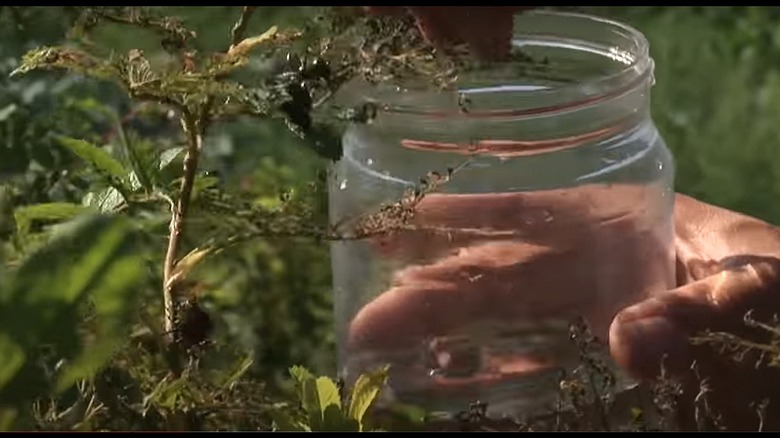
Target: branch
pixel 178 214
pixel 237 33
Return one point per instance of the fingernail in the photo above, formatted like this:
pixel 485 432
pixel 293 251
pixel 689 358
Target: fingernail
pixel 642 345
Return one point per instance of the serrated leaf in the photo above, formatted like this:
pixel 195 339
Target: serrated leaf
pixel 53 211
pixel 328 393
pixel 96 157
pixel 365 390
pixel 105 201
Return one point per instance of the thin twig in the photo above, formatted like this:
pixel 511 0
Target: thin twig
pixel 237 33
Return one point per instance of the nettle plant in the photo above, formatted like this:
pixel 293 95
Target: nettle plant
pixel 104 249
pixel 203 89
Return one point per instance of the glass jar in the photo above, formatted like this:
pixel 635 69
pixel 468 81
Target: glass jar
pixel 555 201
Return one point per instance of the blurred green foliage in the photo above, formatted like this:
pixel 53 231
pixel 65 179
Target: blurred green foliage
pixel 717 99
pixel 270 297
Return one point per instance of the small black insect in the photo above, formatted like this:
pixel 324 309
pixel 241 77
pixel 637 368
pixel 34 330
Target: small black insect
pixel 194 325
pixel 299 105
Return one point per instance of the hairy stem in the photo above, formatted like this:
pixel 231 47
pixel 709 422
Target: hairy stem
pixel 237 33
pixel 178 215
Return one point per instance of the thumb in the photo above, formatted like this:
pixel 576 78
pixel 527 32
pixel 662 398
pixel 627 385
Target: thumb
pixel 659 329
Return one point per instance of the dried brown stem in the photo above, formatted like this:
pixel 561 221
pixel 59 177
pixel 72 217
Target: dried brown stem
pixel 237 33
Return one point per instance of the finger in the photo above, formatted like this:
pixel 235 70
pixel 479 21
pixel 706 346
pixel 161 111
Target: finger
pixel 495 280
pixel 489 33
pixel 443 222
pixel 658 331
pixel 644 333
pixel 487 30
pixel 512 280
pixel 439 24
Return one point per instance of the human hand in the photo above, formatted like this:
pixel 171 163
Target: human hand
pixel 727 264
pixel 487 30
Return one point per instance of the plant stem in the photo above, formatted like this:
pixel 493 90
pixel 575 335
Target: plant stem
pixel 237 33
pixel 178 215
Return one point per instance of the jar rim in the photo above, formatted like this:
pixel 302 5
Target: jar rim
pixel 630 49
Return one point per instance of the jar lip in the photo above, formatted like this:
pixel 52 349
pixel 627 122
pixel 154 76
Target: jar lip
pixel 636 69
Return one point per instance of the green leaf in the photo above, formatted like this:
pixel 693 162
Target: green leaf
pixel 310 400
pixel 105 201
pixel 328 393
pixel 285 423
pixel 97 158
pixel 364 392
pixel 92 259
pixel 316 395
pixel 54 211
pixel 143 159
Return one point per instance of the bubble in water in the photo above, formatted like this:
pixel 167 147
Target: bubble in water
pixel 343 184
pixel 370 162
pixel 660 165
